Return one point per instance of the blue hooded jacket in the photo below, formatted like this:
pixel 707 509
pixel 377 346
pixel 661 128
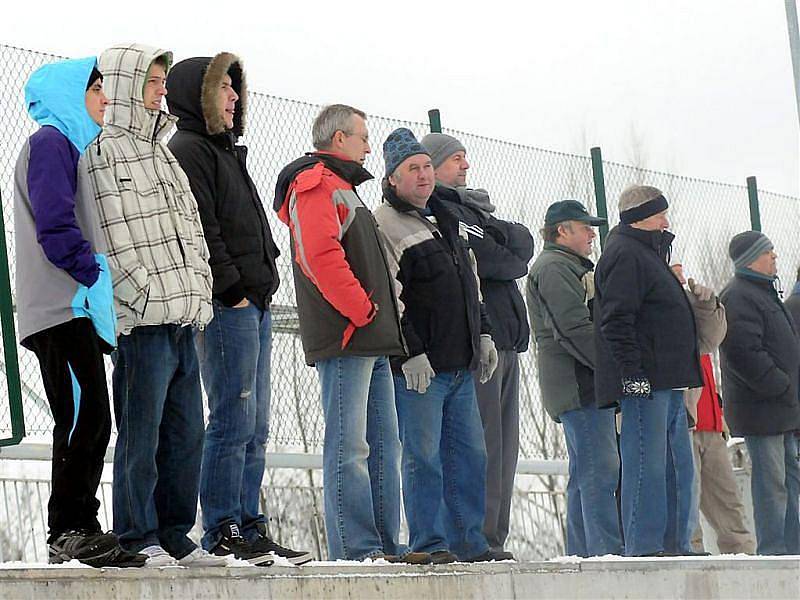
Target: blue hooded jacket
pixel 60 276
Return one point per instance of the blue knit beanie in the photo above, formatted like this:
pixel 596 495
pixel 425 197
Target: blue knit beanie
pixel 400 144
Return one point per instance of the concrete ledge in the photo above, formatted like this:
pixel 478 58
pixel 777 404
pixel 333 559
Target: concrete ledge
pixel 746 577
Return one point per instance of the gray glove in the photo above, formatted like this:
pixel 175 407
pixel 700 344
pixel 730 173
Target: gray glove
pixel 488 357
pixel 701 292
pixel 418 373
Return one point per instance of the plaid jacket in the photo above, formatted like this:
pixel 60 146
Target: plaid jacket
pixel 156 249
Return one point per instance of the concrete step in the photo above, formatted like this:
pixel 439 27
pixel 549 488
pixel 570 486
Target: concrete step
pixel 706 577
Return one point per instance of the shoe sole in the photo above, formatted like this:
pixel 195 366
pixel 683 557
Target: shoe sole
pixel 297 560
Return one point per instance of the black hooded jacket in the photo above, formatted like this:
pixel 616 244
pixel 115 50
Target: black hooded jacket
pixel 503 250
pixel 235 224
pixel 643 322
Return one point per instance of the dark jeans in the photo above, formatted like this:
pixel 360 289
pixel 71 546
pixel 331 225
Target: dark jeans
pixel 444 465
pixel 656 489
pixel 75 384
pixel 234 352
pixel 593 527
pixel 775 484
pixel 159 411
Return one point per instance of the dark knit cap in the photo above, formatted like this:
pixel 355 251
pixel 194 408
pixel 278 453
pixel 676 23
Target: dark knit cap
pixel 94 76
pixel 746 247
pixel 400 144
pixel 441 147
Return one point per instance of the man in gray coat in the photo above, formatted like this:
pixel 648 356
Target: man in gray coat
pixel 559 293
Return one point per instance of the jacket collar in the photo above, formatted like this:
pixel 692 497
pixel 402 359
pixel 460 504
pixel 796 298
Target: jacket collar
pixel 574 256
pixel 658 241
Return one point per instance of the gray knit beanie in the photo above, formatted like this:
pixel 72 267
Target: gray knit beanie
pixel 441 147
pixel 747 246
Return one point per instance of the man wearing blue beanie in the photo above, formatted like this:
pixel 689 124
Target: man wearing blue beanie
pixel 447 332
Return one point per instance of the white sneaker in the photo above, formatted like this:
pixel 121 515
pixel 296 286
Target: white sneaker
pixel 158 557
pixel 200 558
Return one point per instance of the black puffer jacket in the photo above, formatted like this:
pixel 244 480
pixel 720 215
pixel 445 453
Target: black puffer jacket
pixel 503 250
pixel 643 322
pixel 235 224
pixel 760 360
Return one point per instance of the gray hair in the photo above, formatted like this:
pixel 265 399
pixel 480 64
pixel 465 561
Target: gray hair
pixel 331 119
pixel 636 195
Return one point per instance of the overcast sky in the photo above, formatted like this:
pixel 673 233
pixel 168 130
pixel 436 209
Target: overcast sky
pixel 701 88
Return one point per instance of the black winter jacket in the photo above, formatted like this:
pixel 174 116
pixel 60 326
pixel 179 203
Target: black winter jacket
pixel 644 324
pixel 503 250
pixel 760 359
pixel 442 315
pixel 235 224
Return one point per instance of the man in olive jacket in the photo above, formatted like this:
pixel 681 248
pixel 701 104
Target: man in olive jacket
pixel 559 293
pixel 760 362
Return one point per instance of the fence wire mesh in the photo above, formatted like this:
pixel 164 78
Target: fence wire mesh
pixel 522 181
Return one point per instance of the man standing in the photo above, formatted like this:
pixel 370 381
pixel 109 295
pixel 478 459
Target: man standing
pixel 447 331
pixel 208 96
pixel 646 344
pixel 560 295
pixel 502 250
pixel 162 288
pixel 349 325
pixel 760 360
pixel 65 310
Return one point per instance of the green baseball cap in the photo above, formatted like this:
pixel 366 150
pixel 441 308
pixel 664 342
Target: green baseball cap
pixel 570 210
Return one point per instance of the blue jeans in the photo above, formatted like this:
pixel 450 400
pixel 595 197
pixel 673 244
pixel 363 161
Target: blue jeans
pixel 158 406
pixel 234 352
pixel 444 465
pixel 775 484
pixel 361 458
pixel 654 518
pixel 592 519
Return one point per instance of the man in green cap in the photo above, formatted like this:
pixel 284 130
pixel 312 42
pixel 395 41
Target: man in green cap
pixel 559 291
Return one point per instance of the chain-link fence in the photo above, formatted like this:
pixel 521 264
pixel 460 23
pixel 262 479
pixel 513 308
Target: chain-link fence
pixel 522 181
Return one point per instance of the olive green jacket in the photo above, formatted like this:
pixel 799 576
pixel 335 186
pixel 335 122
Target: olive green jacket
pixel 559 291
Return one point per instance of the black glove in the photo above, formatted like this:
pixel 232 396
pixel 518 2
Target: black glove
pixel 637 386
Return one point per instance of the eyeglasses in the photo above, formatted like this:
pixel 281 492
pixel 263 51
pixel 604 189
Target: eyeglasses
pixel 364 138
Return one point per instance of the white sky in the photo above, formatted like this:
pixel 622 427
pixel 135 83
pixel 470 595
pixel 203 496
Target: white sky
pixel 701 88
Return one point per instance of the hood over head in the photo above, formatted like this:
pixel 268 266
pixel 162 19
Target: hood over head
pixel 193 85
pixel 56 95
pixel 125 69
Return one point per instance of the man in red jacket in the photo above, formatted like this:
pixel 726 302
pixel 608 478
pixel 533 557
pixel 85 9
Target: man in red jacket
pixel 715 484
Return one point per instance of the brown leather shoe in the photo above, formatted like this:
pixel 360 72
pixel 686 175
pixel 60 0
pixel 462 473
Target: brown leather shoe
pixel 416 558
pixel 443 557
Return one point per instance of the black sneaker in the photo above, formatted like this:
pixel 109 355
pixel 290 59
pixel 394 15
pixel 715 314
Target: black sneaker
pixel 92 548
pixel 232 542
pixel 119 557
pixel 443 557
pixel 264 543
pixel 502 555
pixel 485 557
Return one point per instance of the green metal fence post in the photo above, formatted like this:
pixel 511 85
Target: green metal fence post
pixel 755 212
pixel 10 344
pixel 435 120
pixel 600 191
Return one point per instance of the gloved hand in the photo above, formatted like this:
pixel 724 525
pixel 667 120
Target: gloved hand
pixel 637 386
pixel 97 303
pixel 703 293
pixel 418 373
pixel 726 432
pixel 488 357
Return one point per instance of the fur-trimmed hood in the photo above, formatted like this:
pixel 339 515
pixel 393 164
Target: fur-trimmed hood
pixel 124 71
pixel 192 97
